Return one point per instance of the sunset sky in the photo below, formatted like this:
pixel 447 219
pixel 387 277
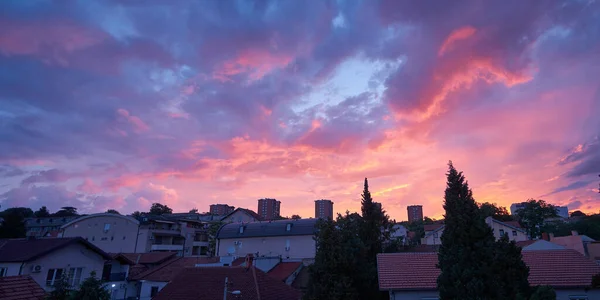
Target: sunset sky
pixel 119 104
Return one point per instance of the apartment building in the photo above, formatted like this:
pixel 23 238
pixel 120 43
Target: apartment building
pixel 269 209
pixel 163 234
pixel 46 227
pixel 433 233
pixel 323 209
pixel 221 209
pixel 415 213
pixel 109 232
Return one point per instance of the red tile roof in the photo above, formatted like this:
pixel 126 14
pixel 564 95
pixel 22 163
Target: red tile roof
pixel 432 227
pixel 20 288
pixel 284 270
pixel 147 258
pixel 417 271
pixel 208 284
pixel 167 270
pixel 238 261
pixel 525 243
pixel 19 250
pixel 513 223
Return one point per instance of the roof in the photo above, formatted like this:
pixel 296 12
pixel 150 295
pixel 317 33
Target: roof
pixel 20 250
pixel 246 211
pixel 513 223
pixel 146 258
pixel 20 288
pixel 48 221
pixel 418 271
pixel 200 283
pixel 265 229
pixel 283 270
pixel 128 218
pixel 167 270
pixel 432 227
pixel 509 225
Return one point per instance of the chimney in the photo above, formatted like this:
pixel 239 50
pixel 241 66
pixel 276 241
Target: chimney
pixel 545 236
pixel 249 260
pixel 574 232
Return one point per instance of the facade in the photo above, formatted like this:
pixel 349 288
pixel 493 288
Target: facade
pixel 415 213
pixel 323 209
pixel 109 232
pixel 46 227
pixel 433 237
pixel 269 209
pixel 46 259
pixel 241 215
pixel 562 211
pixel 514 208
pixel 162 234
pixel 290 239
pixel 221 209
pixel 412 276
pixel 574 241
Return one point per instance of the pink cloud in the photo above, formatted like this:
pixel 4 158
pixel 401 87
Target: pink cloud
pixel 138 125
pixel 89 186
pixel 457 35
pixel 254 63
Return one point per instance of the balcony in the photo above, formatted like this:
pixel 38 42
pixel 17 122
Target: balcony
pixel 166 247
pixel 117 276
pixel 199 243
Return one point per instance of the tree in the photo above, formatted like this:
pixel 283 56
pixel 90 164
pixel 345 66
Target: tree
pixel 160 209
pixel 66 211
pixel 193 211
pixel 13 225
pixel 499 213
pixel 543 292
pixel 213 229
pixel 42 212
pixel 533 214
pixel 136 214
pixel 465 255
pixel 61 289
pixel 511 280
pixel 578 213
pixel 113 211
pixel 91 289
pixel 296 217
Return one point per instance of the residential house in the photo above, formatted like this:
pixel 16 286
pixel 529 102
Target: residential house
pixel 109 232
pixel 152 281
pixel 142 262
pixel 398 232
pixel 574 241
pixel 517 234
pixel 47 226
pixel 241 215
pixel 165 234
pixel 413 276
pixel 226 283
pixel 535 245
pixel 21 287
pixel 290 239
pixel 47 259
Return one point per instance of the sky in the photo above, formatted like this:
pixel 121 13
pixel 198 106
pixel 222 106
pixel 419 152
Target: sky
pixel 114 104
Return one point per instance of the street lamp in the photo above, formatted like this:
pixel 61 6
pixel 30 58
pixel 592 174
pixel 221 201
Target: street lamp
pixel 225 292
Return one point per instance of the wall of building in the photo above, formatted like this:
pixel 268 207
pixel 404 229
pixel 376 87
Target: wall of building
pixel 124 290
pixel 567 294
pixel 120 237
pixel 413 295
pixel 146 288
pixel 570 242
pixel 12 269
pixel 72 256
pixel 302 246
pixel 513 234
pixel 239 217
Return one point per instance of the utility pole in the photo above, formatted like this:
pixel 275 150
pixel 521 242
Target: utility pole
pixel 225 291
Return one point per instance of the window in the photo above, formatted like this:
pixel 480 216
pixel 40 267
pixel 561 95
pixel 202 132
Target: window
pixel 93 238
pixel 104 239
pixel 53 276
pixel 501 232
pixel 106 227
pixel 153 291
pixel 288 227
pixel 514 233
pixel 123 237
pixel 3 272
pixel 74 277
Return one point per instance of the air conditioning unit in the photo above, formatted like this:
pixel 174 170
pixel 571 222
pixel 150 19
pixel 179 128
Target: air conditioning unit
pixel 236 243
pixel 36 269
pixel 287 248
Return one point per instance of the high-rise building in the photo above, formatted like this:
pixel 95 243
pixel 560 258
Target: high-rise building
pixel 324 209
pixel 268 209
pixel 221 209
pixel 415 213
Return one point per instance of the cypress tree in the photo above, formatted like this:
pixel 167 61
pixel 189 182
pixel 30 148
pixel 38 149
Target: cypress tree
pixel 511 274
pixel 466 255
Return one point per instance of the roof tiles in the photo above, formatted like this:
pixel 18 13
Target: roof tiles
pixel 418 271
pixel 169 269
pixel 19 250
pixel 20 288
pixel 283 270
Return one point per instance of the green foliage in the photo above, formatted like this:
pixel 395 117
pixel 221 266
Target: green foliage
pixel 43 212
pixel 296 217
pixel 13 225
pixel 534 213
pixel 499 213
pixel 160 209
pixel 61 290
pixel 113 211
pixel 578 213
pixel 193 211
pixel 589 226
pixel 136 214
pixel 596 281
pixel 543 292
pixel 91 289
pixel 473 265
pixel 213 229
pixel 66 211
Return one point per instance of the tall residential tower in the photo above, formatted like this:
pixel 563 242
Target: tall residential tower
pixel 268 209
pixel 415 213
pixel 323 209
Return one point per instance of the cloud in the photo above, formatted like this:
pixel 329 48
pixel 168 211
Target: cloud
pixel 52 175
pixel 34 196
pixel 10 171
pixel 572 186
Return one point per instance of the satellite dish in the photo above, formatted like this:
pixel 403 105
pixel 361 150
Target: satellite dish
pixel 231 250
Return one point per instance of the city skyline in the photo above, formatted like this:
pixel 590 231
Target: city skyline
pixel 117 105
